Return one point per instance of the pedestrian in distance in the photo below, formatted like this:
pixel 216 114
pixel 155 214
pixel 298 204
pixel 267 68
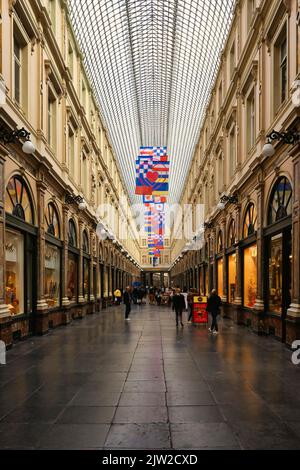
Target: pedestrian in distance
pixel 178 305
pixel 127 302
pixel 213 307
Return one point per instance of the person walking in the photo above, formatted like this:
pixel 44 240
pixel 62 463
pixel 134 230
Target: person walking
pixel 127 302
pixel 213 307
pixel 178 305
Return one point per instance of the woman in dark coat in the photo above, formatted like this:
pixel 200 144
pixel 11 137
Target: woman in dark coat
pixel 213 307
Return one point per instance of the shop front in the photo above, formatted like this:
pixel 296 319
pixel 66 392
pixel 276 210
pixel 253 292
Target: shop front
pixel 20 257
pixel 249 262
pixel 72 268
pixel 278 258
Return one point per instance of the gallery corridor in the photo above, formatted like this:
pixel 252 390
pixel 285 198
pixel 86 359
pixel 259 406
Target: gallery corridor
pixel 107 383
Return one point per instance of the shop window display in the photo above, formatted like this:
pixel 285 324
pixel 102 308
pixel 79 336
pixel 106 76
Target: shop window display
pixel 52 275
pixel 72 277
pixel 231 278
pixel 275 274
pixel 220 277
pixel 14 275
pixel 250 275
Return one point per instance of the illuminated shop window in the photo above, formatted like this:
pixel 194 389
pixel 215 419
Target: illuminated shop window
pixel 220 276
pixel 250 275
pixel 14 274
pixel 231 278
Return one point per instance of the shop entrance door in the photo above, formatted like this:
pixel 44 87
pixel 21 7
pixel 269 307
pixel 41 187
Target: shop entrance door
pixel 278 279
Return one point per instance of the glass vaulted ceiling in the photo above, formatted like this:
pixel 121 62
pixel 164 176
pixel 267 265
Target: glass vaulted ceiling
pixel 152 64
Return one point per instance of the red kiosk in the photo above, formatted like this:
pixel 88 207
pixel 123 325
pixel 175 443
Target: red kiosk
pixel 200 315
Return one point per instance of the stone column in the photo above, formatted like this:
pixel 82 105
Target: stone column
pixel 258 310
pixel 64 268
pixel 259 304
pixel 92 252
pixel 238 297
pixel 5 316
pixel 223 225
pixel 42 321
pixel 293 313
pixel 81 299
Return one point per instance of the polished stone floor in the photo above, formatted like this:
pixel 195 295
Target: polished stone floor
pixel 106 383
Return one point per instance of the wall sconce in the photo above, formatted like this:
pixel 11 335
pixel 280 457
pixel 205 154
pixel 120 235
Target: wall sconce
pixel 208 225
pixel 289 137
pixel 10 137
pixel 71 199
pixel 224 199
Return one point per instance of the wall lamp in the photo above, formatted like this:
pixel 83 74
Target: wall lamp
pixel 70 199
pixel 289 137
pixel 10 137
pixel 224 199
pixel 208 225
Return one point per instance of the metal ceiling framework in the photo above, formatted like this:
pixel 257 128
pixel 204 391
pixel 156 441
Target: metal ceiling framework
pixel 152 64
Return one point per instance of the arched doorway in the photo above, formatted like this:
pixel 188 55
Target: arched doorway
pixel 278 254
pixel 20 255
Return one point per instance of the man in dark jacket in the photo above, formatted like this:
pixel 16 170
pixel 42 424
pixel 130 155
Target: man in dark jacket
pixel 127 302
pixel 178 305
pixel 213 307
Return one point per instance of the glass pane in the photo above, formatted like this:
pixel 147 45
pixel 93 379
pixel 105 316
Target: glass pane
pixel 52 275
pixel 275 274
pixel 72 277
pixel 250 275
pixel 231 278
pixel 146 78
pixel 29 256
pixel 14 274
pixel 220 277
pixel 17 82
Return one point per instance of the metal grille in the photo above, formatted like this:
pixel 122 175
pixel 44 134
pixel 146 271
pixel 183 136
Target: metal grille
pixel 152 64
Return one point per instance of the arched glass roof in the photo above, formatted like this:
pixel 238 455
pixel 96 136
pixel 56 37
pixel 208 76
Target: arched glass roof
pixel 152 64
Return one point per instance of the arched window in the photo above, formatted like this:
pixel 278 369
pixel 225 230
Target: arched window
pixel 52 221
pixel 72 234
pixel 220 242
pixel 280 205
pixel 231 234
pixel 85 242
pixel 18 200
pixel 250 221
